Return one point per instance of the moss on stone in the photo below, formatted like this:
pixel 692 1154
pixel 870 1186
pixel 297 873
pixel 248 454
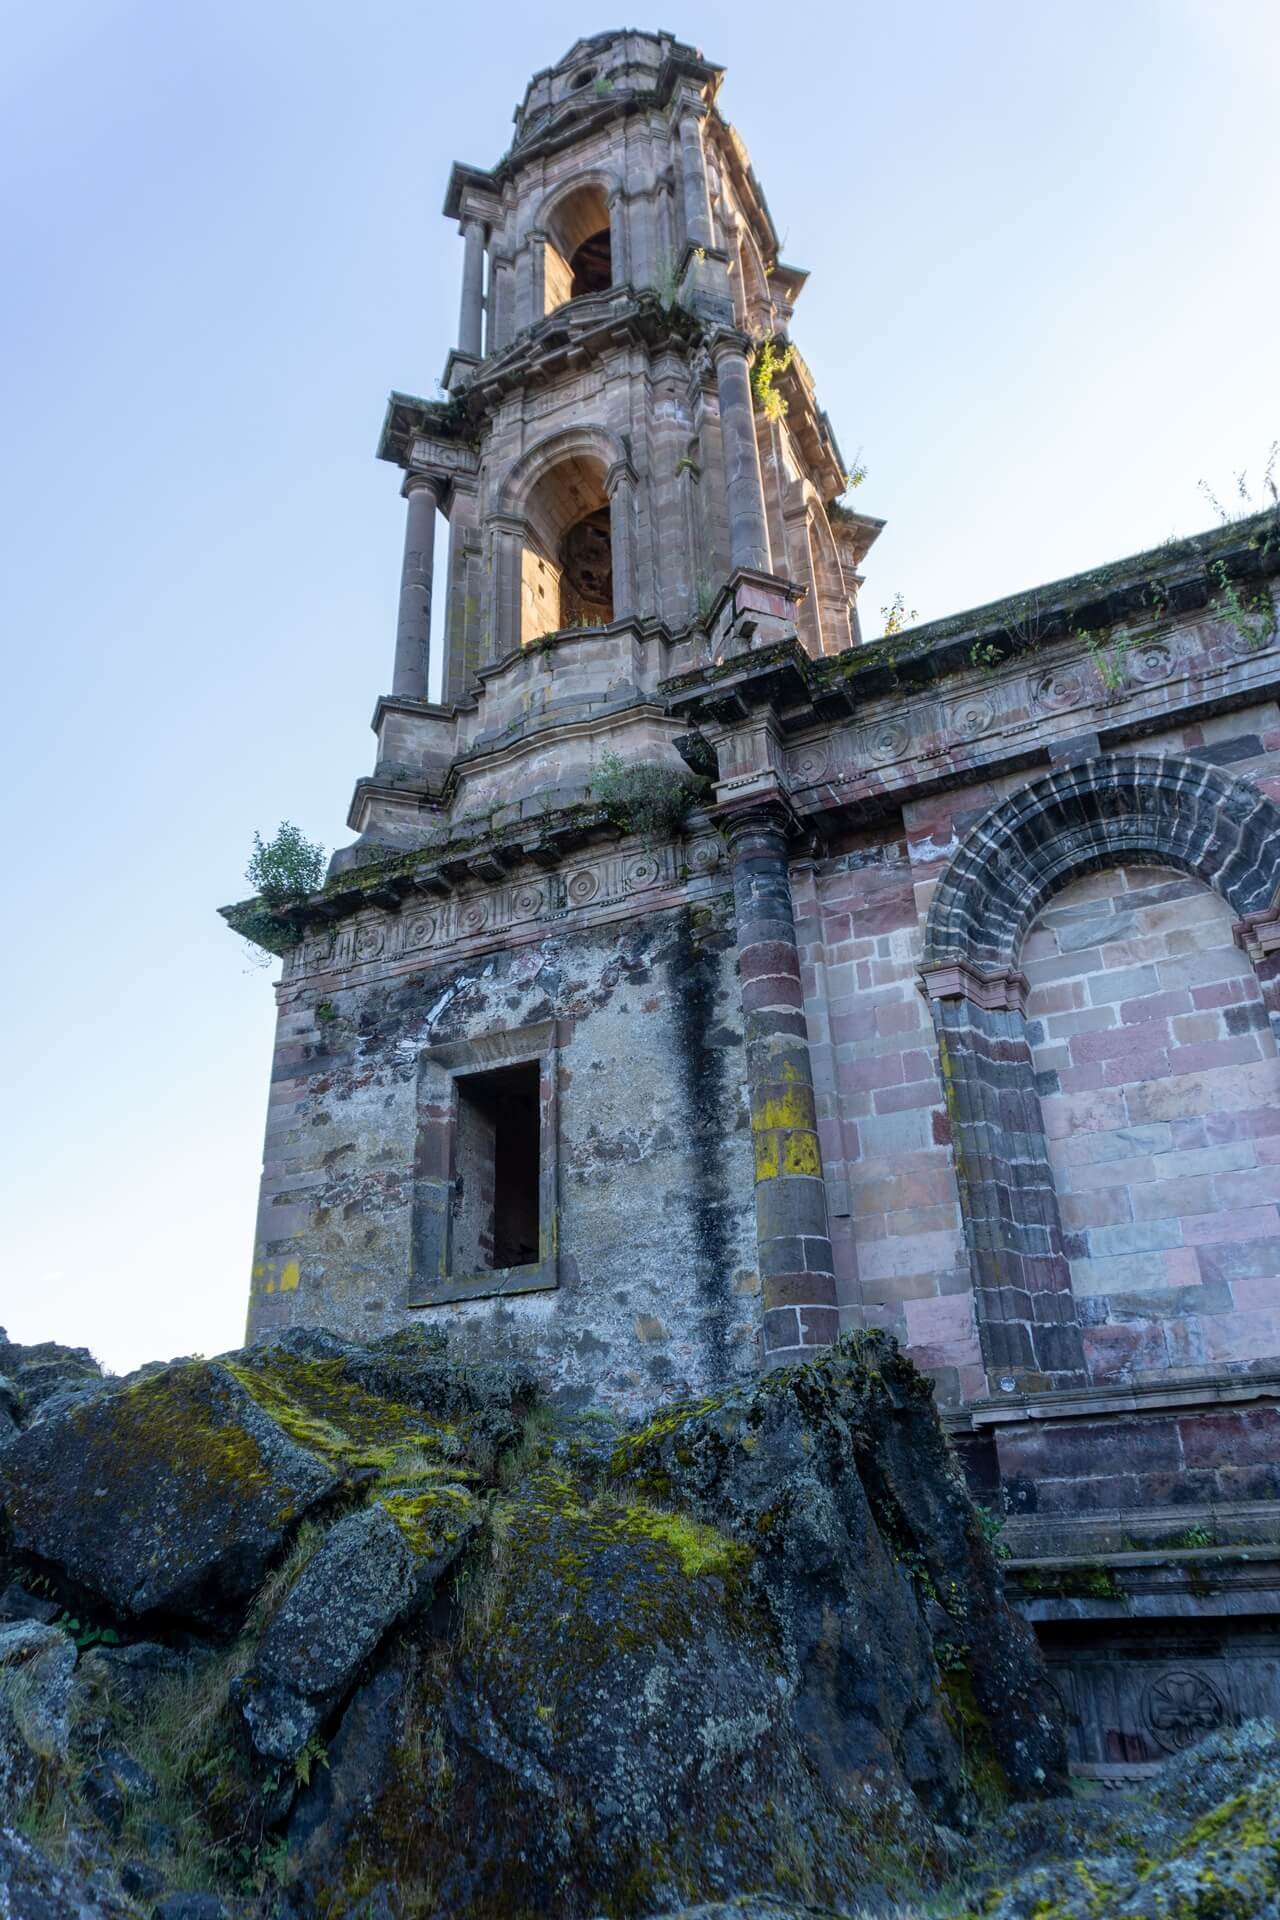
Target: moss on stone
pixel 316 1405
pixel 431 1518
pixel 972 1730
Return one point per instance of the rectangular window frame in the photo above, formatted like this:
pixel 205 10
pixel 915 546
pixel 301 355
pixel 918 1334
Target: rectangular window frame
pixel 433 1281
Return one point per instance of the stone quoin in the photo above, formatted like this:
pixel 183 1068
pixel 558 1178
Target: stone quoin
pixel 702 982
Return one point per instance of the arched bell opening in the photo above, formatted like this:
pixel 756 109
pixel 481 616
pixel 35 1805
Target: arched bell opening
pixel 567 572
pixel 586 572
pixel 579 252
pixel 591 267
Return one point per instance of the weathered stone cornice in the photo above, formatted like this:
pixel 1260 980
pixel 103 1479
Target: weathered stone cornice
pixel 582 330
pixel 576 866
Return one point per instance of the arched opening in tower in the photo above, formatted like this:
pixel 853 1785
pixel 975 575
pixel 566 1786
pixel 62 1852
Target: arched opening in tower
pixel 567 574
pixel 586 572
pixel 591 267
pixel 579 251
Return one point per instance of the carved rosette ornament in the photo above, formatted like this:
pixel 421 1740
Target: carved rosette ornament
pixel 1180 1707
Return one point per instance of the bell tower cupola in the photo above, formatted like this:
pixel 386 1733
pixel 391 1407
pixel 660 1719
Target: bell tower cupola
pixel 628 450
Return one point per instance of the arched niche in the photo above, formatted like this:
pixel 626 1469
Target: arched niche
pixel 1111 811
pixel 580 243
pixel 570 500
pixel 1159 1083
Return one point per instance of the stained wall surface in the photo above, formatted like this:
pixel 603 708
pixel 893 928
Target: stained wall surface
pixel 658 1290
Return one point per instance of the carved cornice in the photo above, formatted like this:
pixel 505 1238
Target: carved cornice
pixel 438 912
pixel 960 980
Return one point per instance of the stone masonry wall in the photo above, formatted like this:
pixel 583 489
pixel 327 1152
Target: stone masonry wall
pixel 1177 1267
pixel 1160 1090
pixel 658 1292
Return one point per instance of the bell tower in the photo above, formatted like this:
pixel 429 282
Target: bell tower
pixel 636 474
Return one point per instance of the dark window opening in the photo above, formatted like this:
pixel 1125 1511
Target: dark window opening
pixel 497 1169
pixel 586 572
pixel 591 267
pixel 582 79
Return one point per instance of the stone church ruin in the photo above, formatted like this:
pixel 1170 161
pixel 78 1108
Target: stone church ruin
pixel 703 982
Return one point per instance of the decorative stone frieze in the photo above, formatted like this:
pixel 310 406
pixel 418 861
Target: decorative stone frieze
pixel 584 891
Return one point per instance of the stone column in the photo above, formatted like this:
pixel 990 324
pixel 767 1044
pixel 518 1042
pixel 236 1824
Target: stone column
pixel 693 168
pixel 744 487
pixel 507 537
pixel 471 314
pixel 797 1274
pixel 413 627
pixel 620 489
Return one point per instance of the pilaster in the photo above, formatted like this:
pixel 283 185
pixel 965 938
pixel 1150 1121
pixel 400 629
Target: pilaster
pixel 797 1271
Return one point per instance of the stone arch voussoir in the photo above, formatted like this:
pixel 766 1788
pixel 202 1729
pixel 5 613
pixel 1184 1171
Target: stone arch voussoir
pixel 1115 809
pixel 1157 809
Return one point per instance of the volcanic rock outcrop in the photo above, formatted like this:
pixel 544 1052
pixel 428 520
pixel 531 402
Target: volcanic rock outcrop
pixel 326 1629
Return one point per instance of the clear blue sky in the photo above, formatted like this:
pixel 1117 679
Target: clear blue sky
pixel 1043 305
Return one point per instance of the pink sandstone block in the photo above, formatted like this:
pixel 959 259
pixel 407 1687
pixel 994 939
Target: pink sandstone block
pixel 1222 993
pixel 916 1093
pixel 940 1318
pixel 1241 1051
pixel 1203 1229
pixel 1258 1295
pixel 1218 1089
pixel 1115 1173
pixel 1239 1336
pixel 1154 1006
pixel 1182 1267
pixel 1248 1188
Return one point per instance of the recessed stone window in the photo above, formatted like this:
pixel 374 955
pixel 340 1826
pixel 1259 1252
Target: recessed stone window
pixel 496 1213
pixel 582 79
pixel 486 1173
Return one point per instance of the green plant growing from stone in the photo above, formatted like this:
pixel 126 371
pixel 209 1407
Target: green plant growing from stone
pixel 668 277
pixel 1108 657
pixel 1255 621
pixel 644 797
pixel 992 1525
pixel 1196 1537
pixel 286 867
pixel 282 870
pixel 985 653
pixel 1247 504
pixel 771 363
pixel 1023 624
pixel 897 616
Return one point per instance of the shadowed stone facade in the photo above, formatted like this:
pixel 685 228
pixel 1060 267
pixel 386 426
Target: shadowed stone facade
pixel 943 1003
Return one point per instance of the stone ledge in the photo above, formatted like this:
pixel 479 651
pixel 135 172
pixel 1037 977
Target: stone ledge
pixel 1182 1583
pixel 1083 1403
pixel 496 1284
pixel 1104 1533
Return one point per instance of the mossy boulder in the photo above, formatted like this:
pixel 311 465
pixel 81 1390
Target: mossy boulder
pixel 394 1639
pixel 36 1667
pixel 169 1496
pixel 903 1652
pixel 372 1569
pixel 732 1649
pixel 1202 1842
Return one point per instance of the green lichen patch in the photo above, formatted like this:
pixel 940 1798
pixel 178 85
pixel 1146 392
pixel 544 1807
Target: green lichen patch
pixel 433 1517
pixel 315 1403
pixel 588 1577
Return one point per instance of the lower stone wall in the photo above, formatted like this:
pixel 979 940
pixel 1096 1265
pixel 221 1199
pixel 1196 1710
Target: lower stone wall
pixel 1159 1088
pixel 1134 1696
pixel 654 1234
